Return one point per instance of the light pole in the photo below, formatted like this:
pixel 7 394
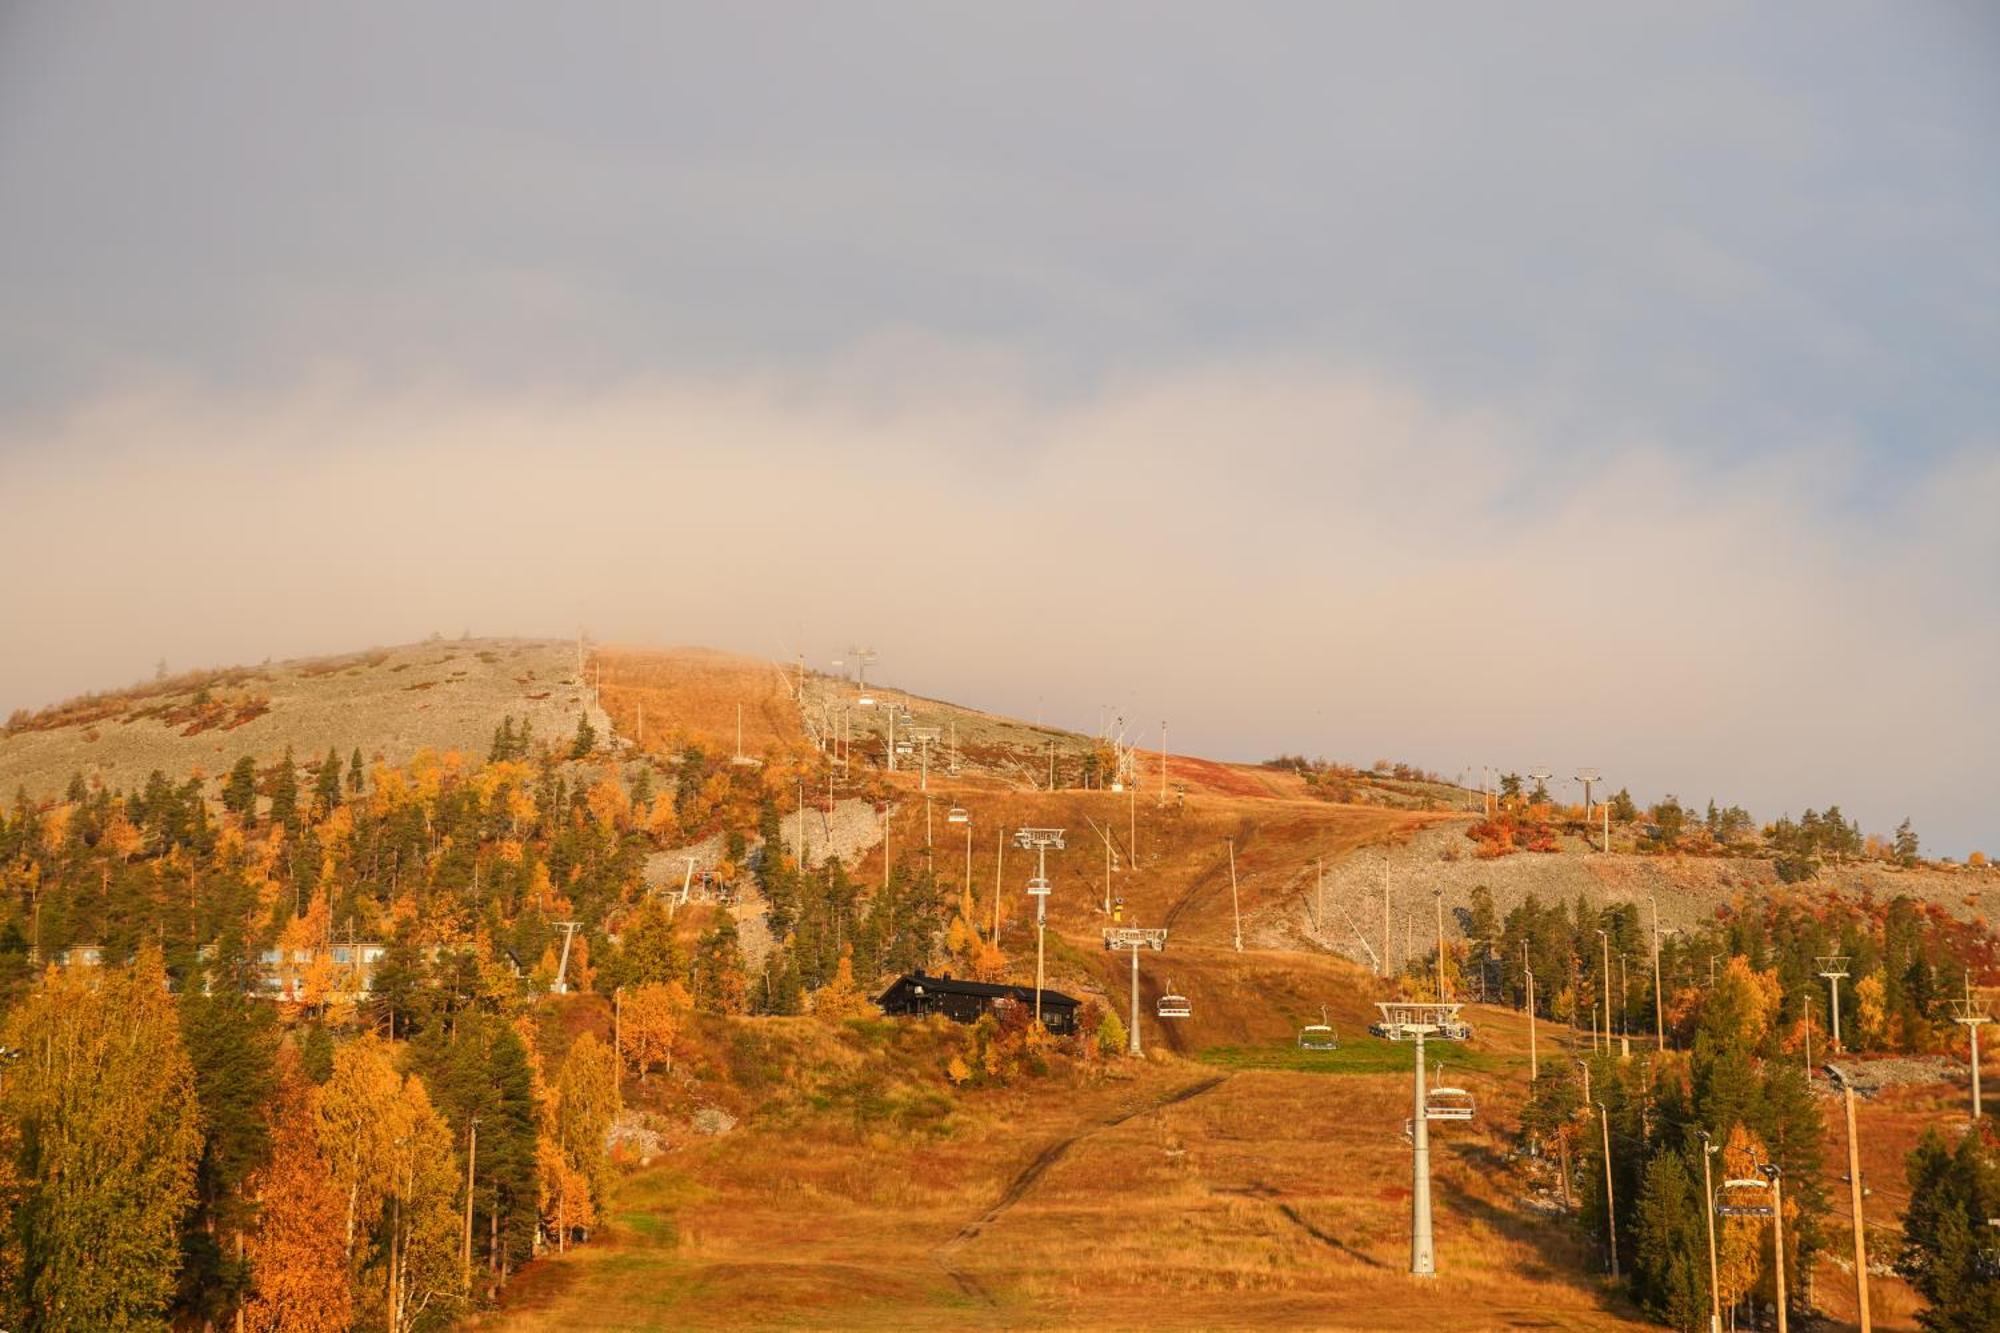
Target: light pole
pixel 1834 968
pixel 1708 1150
pixel 1132 939
pixel 1039 840
pixel 1776 1177
pixel 1534 1059
pixel 1604 987
pixel 1659 997
pixel 1235 908
pixel 1610 1206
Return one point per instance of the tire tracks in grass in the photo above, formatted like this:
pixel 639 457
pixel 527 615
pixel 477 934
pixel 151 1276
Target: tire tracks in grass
pixel 1024 1180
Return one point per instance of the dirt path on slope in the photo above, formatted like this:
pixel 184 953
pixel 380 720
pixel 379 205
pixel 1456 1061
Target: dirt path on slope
pixel 1025 1179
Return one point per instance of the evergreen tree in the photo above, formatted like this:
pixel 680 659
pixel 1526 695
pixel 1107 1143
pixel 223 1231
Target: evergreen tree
pixel 1950 1254
pixel 285 793
pixel 1906 846
pixel 239 793
pixel 354 776
pixel 326 792
pixel 586 738
pixel 1623 809
pixel 1670 1257
pixel 231 1043
pixel 721 982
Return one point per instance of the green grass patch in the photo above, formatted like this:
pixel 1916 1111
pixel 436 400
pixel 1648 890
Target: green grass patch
pixel 1368 1055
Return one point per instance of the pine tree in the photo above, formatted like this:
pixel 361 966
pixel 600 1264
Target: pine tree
pixel 1906 846
pixel 354 777
pixel 1670 1262
pixel 109 1133
pixel 1950 1253
pixel 239 793
pixel 326 793
pixel 231 1043
pixel 586 738
pixel 285 793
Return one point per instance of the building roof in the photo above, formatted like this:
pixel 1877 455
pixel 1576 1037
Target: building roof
pixel 949 985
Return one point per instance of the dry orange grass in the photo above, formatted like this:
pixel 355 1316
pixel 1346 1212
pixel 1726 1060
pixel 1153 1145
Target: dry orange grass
pixel 691 695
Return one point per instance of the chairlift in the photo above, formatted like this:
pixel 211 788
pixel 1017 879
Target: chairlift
pixel 1172 1005
pixel 1448 1104
pixel 957 815
pixel 865 701
pixel 1737 1199
pixel 1318 1036
pixel 1039 887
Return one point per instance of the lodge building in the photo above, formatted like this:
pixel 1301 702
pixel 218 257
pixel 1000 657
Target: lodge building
pixel 917 994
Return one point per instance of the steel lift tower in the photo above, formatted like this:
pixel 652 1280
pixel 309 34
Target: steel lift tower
pixel 1834 968
pixel 1132 939
pixel 1416 1022
pixel 1973 1014
pixel 1039 840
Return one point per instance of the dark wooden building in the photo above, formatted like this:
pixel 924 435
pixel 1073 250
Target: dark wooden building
pixel 916 994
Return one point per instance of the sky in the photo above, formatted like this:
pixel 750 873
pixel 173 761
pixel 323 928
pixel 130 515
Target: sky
pixel 1543 384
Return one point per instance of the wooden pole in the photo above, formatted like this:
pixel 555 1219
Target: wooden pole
pixel 471 1163
pixel 1860 1225
pixel 1235 910
pixel 1534 1059
pixel 1778 1242
pixel 1659 996
pixel 999 860
pixel 1610 1206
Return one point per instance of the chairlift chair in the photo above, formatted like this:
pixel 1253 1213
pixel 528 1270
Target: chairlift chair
pixel 1318 1036
pixel 957 815
pixel 1747 1197
pixel 1172 1005
pixel 1448 1104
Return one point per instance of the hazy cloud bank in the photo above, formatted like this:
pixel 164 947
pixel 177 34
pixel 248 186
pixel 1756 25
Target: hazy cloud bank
pixel 1278 555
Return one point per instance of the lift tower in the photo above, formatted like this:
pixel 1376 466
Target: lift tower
pixel 1132 939
pixel 1834 968
pixel 1973 1014
pixel 1416 1022
pixel 1039 840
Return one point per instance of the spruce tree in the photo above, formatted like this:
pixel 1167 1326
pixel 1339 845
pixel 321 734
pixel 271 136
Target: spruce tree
pixel 354 778
pixel 1669 1260
pixel 326 793
pixel 1950 1254
pixel 586 738
pixel 285 793
pixel 239 793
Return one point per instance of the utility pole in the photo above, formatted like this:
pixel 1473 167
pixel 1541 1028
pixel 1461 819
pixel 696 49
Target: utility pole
pixel 1388 936
pixel 802 824
pixel 1132 939
pixel 1606 988
pixel 1972 1014
pixel 1708 1150
pixel 1040 840
pixel 999 863
pixel 1854 1193
pixel 1235 908
pixel 1624 1017
pixel 1659 996
pixel 1776 1177
pixel 1833 967
pixel 1610 1205
pixel 888 813
pixel 1606 813
pixel 1534 1059
pixel 471 1158
pixel 1163 763
pixel 1439 894
pixel 925 738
